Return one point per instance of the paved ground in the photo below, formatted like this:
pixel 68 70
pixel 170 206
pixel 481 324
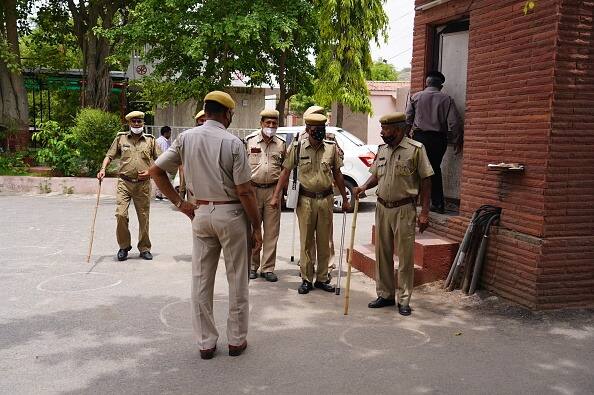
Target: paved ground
pixel 69 327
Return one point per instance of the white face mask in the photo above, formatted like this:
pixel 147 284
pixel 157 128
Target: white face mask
pixel 137 130
pixel 269 131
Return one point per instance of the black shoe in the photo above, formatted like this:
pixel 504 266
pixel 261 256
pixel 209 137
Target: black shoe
pixel 123 253
pixel 324 286
pixel 404 310
pixel 381 302
pixel 253 274
pixel 146 255
pixel 437 209
pixel 235 351
pixel 208 353
pixel 305 287
pixel 269 276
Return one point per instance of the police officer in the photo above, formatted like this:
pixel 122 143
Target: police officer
pixel 401 167
pixel 318 164
pixel 218 172
pixel 433 118
pixel 136 151
pixel 266 153
pixel 200 118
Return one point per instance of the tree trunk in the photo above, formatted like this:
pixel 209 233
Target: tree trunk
pixel 97 86
pixel 339 114
pixel 282 86
pixel 14 107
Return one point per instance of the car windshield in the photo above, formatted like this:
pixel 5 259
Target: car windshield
pixel 354 139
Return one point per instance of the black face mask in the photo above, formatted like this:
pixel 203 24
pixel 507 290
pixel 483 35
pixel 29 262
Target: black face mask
pixel 389 139
pixel 318 134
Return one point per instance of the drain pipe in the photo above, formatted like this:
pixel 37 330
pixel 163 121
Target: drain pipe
pixel 480 257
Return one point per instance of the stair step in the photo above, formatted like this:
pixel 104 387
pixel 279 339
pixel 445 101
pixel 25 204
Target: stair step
pixel 364 261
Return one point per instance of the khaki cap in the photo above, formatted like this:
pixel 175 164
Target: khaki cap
pixel 269 113
pixel 314 110
pixel 200 114
pixel 134 114
pixel 315 119
pixel 222 98
pixel 394 117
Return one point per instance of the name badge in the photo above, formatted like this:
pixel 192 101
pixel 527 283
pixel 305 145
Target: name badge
pixel 255 150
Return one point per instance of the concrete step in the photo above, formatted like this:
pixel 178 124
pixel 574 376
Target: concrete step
pixel 364 261
pixel 433 256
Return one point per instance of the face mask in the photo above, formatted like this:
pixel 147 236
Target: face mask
pixel 318 134
pixel 269 131
pixel 136 130
pixel 389 139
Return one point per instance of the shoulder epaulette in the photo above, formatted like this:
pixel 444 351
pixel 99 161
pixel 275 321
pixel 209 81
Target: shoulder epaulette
pixel 329 142
pixel 148 135
pixel 250 136
pixel 415 143
pixel 381 145
pixel 122 133
pixel 280 138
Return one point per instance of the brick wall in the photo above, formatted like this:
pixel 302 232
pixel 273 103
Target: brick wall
pixel 529 99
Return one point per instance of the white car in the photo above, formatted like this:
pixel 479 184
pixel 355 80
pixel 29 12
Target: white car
pixel 358 157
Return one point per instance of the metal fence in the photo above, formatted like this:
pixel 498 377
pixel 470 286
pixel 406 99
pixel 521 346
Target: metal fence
pixel 155 130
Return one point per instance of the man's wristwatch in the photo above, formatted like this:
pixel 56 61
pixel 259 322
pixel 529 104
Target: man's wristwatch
pixel 179 203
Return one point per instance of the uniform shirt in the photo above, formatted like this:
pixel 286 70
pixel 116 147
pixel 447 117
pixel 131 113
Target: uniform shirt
pixel 214 161
pixel 315 165
pixel 433 110
pixel 400 169
pixel 163 143
pixel 266 159
pixel 136 155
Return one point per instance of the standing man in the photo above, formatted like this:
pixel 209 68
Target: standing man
pixel 218 172
pixel 266 152
pixel 400 168
pixel 318 164
pixel 432 115
pixel 137 151
pixel 200 118
pixel 164 141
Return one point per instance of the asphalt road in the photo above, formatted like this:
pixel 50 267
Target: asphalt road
pixel 68 327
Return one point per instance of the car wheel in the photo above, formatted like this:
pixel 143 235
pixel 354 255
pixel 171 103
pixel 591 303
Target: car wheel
pixel 349 186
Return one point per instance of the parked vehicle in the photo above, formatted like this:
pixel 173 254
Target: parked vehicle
pixel 358 157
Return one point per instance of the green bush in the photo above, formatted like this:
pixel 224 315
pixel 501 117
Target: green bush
pixel 94 131
pixel 12 164
pixel 58 149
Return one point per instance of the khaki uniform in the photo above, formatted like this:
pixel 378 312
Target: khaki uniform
pixel 214 162
pixel 399 171
pixel 266 160
pixel 315 166
pixel 136 155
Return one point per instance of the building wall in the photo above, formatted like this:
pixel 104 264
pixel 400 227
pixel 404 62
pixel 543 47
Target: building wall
pixel 529 89
pixel 249 102
pixel 354 122
pixel 567 267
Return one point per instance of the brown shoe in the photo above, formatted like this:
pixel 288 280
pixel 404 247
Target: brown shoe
pixel 236 351
pixel 208 353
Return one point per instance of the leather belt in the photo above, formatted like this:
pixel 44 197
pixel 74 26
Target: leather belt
pixel 397 203
pixel 264 186
pixel 126 178
pixel 315 195
pixel 206 202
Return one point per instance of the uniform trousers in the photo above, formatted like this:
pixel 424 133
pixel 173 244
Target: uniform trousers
pixel 220 227
pixel 395 225
pixel 436 144
pixel 271 227
pixel 139 193
pixel 315 228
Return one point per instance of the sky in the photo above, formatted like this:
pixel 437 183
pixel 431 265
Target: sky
pixel 398 49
